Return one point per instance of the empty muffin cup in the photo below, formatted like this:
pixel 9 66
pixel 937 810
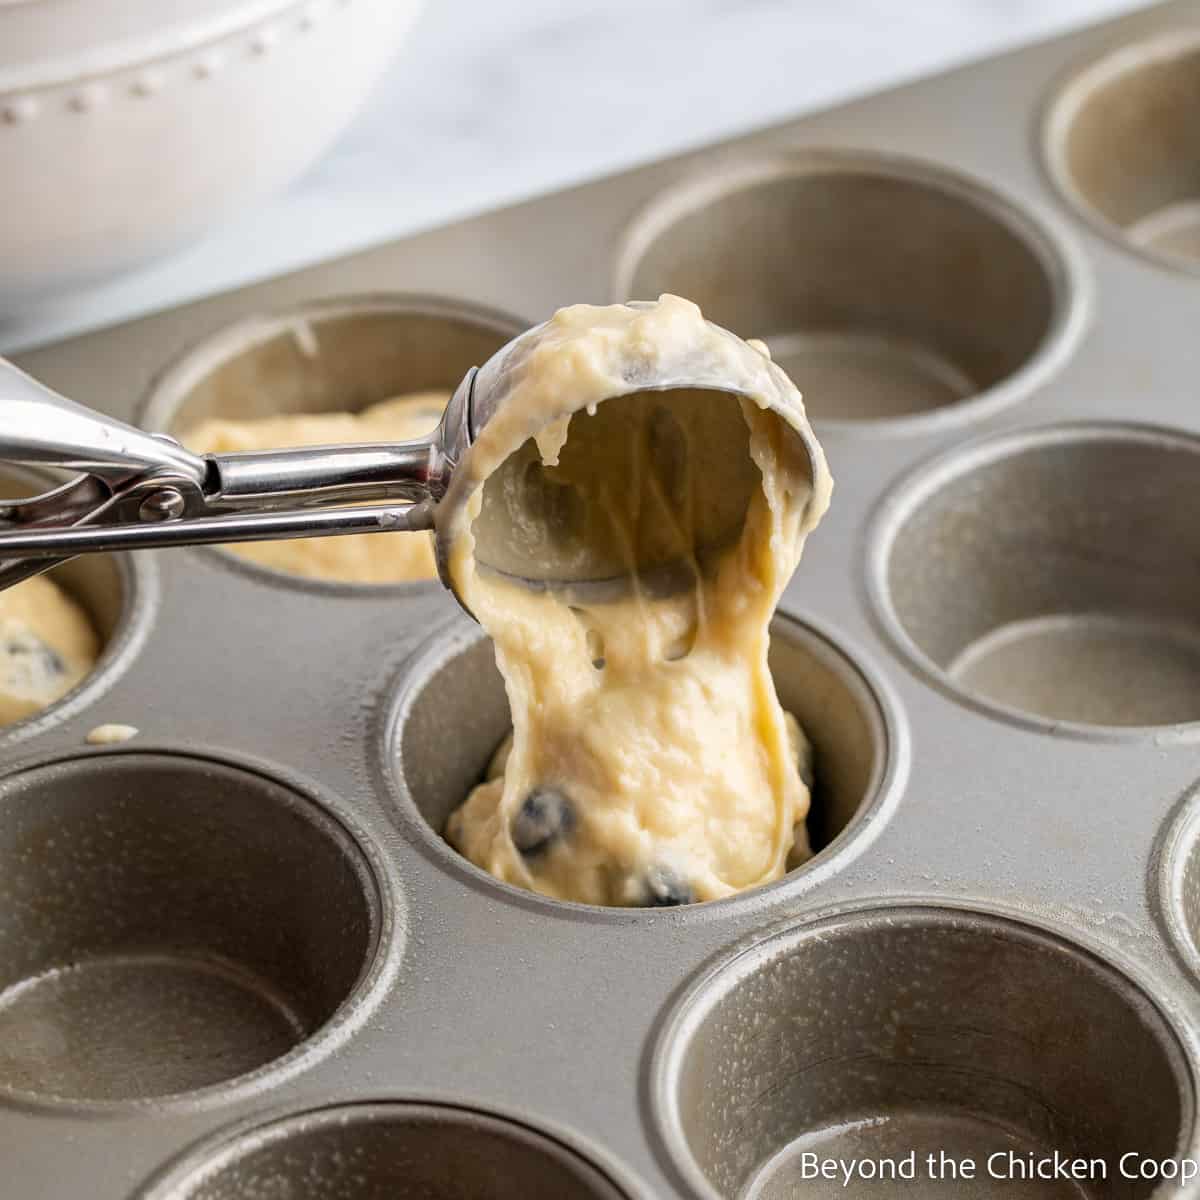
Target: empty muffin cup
pixel 171 923
pixel 1121 146
pixel 377 1151
pixel 1049 574
pixel 1178 872
pixel 456 685
pixel 104 610
pixel 884 287
pixel 877 1034
pixel 314 361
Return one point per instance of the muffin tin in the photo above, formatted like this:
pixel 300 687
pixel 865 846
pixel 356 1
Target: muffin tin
pixel 237 956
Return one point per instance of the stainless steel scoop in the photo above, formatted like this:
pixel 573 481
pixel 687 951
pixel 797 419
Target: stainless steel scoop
pixel 137 490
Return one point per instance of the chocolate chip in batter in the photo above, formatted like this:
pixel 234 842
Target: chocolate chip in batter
pixel 595 645
pixel 664 889
pixel 32 654
pixel 546 817
pixel 593 637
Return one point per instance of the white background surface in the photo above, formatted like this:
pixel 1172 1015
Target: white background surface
pixel 491 101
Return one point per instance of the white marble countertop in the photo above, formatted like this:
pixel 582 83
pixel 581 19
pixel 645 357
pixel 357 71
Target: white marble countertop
pixel 488 103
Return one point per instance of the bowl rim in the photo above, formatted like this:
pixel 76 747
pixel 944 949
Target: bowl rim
pixel 151 48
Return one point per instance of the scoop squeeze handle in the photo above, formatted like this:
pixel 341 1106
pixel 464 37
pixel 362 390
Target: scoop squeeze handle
pixel 137 490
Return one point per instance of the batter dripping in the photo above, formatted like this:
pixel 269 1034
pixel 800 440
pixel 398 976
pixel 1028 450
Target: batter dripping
pixel 650 762
pixel 47 645
pixel 355 558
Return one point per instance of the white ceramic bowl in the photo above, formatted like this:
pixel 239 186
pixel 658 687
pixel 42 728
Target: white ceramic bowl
pixel 129 126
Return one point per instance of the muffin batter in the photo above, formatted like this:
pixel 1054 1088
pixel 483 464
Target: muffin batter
pixel 47 645
pixel 650 762
pixel 111 733
pixel 353 558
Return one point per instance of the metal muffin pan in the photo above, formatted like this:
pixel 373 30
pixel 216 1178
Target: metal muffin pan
pixel 939 1030
pixel 173 923
pixel 1121 145
pixel 894 288
pixel 373 1151
pixel 1048 572
pixel 996 940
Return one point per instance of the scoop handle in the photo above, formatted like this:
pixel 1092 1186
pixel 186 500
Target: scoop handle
pixel 136 490
pixel 40 428
pixel 53 545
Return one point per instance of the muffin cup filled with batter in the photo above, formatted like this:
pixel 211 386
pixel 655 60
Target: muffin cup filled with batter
pixel 455 684
pixel 366 369
pixel 54 628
